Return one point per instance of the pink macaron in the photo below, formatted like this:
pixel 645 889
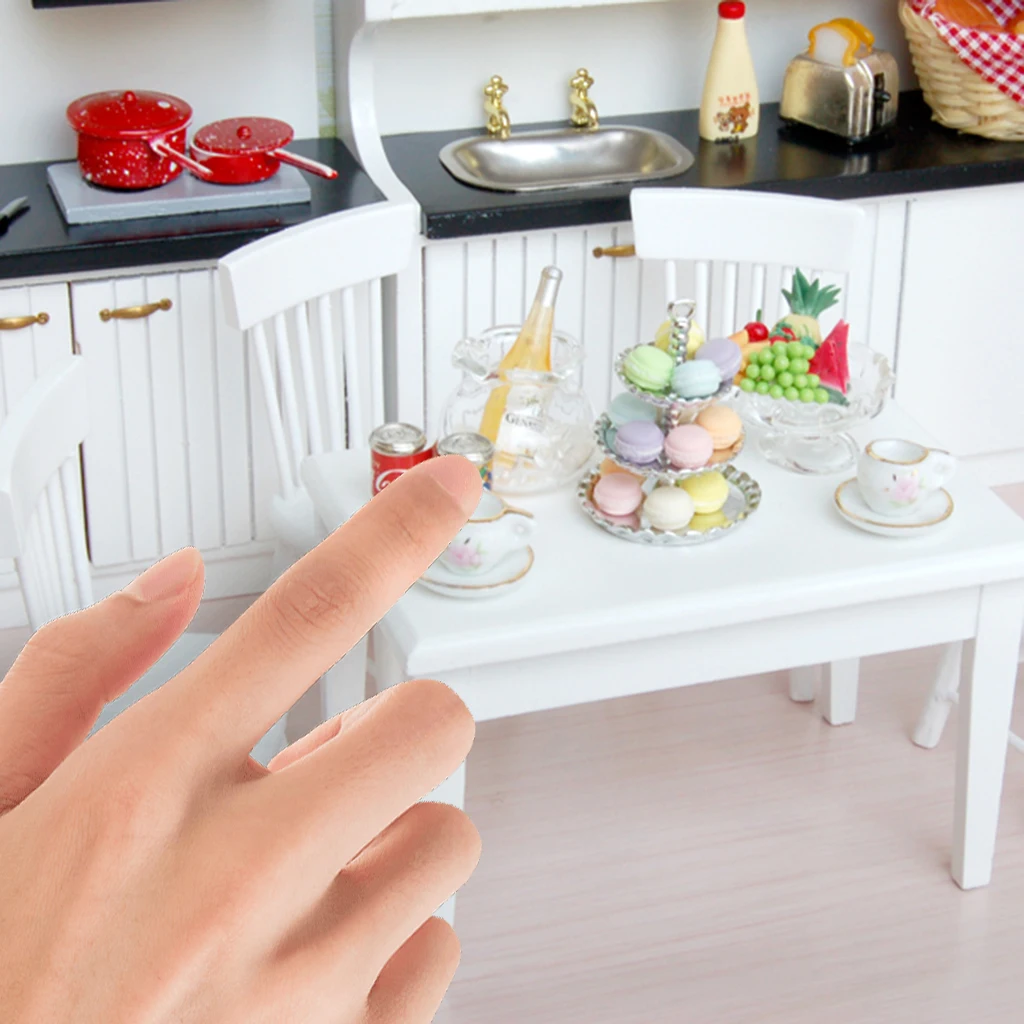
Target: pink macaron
pixel 689 446
pixel 618 494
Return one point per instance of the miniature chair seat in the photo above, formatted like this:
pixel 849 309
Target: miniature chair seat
pixel 42 523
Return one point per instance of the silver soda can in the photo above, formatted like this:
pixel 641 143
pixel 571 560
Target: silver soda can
pixel 475 447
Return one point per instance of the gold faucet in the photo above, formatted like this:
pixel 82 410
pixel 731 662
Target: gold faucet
pixel 498 124
pixel 584 113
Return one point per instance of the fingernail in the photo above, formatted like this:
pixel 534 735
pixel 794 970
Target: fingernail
pixel 168 578
pixel 459 477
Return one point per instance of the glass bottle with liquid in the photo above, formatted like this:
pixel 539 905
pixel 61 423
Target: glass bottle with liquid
pixel 522 388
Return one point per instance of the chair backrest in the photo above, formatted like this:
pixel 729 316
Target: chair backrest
pixel 42 517
pixel 744 246
pixel 310 299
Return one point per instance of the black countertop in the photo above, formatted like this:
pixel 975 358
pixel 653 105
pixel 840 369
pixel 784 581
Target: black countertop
pixel 40 243
pixel 920 156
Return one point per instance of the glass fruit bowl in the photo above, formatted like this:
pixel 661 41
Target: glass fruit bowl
pixel 812 438
pixel 545 437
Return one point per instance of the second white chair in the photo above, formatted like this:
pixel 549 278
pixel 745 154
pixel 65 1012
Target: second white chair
pixel 42 523
pixel 739 242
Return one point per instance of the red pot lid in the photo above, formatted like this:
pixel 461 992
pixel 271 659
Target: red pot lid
pixel 115 115
pixel 243 135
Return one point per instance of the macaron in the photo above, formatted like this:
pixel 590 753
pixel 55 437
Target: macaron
pixel 689 446
pixel 725 354
pixel 649 368
pixel 609 466
pixel 639 442
pixel 627 407
pixel 722 423
pixel 708 492
pixel 618 494
pixel 668 508
pixel 697 378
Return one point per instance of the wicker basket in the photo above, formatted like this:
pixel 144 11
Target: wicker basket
pixel 958 95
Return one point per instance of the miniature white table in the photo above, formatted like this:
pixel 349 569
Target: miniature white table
pixel 794 586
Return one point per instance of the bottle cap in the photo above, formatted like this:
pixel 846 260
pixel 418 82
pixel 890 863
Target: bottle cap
pixel 732 9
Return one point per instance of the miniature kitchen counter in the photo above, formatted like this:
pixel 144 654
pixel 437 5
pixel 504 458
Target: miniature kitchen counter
pixel 39 243
pixel 921 157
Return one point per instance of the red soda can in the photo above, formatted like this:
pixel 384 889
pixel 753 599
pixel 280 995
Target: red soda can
pixel 394 448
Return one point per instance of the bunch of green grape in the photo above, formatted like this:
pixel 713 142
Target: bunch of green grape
pixel 782 370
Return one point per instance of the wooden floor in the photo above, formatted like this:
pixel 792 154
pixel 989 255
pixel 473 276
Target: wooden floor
pixel 719 855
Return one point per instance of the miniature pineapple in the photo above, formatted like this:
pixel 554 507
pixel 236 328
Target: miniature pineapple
pixel 807 301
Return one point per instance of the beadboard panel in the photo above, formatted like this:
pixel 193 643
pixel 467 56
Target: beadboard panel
pixel 167 461
pixel 30 351
pixel 613 303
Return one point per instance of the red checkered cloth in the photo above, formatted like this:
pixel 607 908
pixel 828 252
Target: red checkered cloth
pixel 997 56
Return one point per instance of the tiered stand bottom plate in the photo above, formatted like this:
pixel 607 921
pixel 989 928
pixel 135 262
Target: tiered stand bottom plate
pixel 744 499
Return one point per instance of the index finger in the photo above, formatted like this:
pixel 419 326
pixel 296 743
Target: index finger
pixel 322 606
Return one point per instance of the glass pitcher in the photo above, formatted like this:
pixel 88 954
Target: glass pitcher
pixel 546 436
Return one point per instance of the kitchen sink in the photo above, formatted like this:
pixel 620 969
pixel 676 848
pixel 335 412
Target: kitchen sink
pixel 565 158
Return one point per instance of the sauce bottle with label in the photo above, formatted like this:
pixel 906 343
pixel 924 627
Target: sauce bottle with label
pixel 730 108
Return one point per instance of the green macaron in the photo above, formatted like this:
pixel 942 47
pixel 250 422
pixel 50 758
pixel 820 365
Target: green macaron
pixel 649 368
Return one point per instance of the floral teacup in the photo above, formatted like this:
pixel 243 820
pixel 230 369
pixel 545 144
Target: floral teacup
pixel 896 477
pixel 494 531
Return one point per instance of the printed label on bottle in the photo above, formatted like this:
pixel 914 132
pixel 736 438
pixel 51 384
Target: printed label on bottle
pixel 522 425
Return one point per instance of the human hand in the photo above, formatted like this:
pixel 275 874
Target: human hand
pixel 155 873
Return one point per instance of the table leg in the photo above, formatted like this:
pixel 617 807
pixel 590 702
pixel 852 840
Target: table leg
pixel 838 696
pixel 986 699
pixel 804 683
pixel 943 696
pixel 451 791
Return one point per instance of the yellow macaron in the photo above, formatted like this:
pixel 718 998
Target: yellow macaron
pixel 709 492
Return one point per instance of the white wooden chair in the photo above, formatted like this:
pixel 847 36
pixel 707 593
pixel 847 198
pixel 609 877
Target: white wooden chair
pixel 42 522
pixel 310 300
pixel 944 694
pixel 732 252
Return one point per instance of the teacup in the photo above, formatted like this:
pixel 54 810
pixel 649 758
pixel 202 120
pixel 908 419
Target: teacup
pixel 896 477
pixel 493 532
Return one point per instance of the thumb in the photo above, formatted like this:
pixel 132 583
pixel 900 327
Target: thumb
pixel 74 665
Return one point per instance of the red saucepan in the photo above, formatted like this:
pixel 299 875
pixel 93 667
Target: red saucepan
pixel 132 140
pixel 243 150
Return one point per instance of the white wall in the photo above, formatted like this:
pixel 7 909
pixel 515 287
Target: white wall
pixel 226 57
pixel 644 57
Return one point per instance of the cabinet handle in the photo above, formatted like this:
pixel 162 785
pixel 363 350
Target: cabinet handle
pixel 135 312
pixel 615 251
pixel 15 323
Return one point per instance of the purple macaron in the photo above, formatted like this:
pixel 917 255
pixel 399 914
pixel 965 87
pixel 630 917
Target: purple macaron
pixel 640 441
pixel 725 354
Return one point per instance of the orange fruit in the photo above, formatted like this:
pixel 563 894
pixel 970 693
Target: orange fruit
pixel 1016 24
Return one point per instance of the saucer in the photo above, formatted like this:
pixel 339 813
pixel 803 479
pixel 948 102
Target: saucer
pixel 505 577
pixel 932 513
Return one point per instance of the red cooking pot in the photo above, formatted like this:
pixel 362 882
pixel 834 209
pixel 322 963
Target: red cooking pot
pixel 132 140
pixel 243 150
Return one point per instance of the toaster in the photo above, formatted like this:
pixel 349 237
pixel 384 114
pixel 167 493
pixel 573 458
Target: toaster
pixel 842 85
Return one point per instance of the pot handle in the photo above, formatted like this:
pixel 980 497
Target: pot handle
pixel 162 149
pixel 305 163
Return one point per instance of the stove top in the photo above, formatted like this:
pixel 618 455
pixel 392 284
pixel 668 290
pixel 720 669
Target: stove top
pixel 82 203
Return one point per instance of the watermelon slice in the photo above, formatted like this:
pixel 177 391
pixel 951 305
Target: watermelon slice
pixel 831 362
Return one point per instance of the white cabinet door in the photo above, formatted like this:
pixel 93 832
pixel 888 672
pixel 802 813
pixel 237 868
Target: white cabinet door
pixel 959 356
pixel 28 347
pixel 175 429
